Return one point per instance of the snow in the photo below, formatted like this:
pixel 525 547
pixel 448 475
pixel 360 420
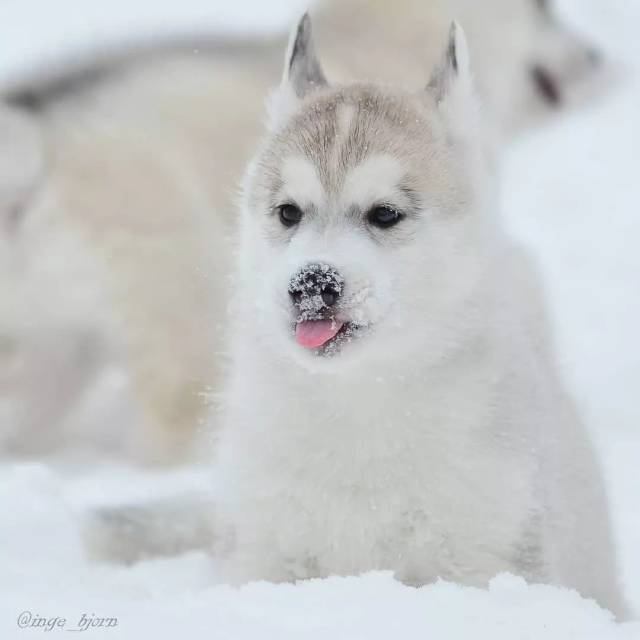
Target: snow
pixel 44 573
pixel 572 197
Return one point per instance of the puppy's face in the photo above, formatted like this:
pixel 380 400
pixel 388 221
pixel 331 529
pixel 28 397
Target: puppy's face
pixel 361 224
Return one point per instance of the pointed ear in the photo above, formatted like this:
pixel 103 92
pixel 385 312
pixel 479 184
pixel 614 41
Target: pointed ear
pixel 453 75
pixel 302 70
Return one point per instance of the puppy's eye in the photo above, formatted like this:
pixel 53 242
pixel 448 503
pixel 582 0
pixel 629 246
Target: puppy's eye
pixel 289 214
pixel 384 217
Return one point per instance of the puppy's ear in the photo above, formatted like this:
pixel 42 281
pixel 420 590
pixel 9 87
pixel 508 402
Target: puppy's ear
pixel 21 161
pixel 302 70
pixel 451 83
pixel 302 74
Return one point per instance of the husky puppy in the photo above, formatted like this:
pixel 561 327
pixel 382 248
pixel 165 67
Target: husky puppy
pixel 144 156
pixel 393 402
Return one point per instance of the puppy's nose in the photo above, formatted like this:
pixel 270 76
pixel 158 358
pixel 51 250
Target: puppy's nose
pixel 315 288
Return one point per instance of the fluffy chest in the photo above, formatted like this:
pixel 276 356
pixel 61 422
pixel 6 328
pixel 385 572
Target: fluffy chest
pixel 399 469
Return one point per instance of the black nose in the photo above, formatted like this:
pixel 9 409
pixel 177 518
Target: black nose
pixel 315 288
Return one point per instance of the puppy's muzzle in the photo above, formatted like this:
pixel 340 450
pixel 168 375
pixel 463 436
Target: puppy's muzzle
pixel 315 289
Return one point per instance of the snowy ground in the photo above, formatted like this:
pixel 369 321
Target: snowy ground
pixel 572 196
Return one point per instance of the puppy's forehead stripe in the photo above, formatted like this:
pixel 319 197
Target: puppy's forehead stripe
pixel 337 133
pixel 350 169
pixel 336 141
pixel 345 116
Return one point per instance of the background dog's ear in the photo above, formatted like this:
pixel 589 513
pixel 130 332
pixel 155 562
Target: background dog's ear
pixel 451 83
pixel 21 162
pixel 302 70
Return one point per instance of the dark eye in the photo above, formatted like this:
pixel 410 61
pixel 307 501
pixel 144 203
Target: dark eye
pixel 384 217
pixel 289 214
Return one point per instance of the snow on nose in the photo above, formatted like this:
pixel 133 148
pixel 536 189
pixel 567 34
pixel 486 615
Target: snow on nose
pixel 315 289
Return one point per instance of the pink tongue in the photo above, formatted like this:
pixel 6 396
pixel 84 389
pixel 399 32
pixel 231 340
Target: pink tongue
pixel 314 333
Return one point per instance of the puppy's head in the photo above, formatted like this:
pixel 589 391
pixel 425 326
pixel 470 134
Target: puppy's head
pixel 362 227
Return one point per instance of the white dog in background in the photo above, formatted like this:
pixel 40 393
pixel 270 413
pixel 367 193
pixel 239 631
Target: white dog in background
pixel 132 213
pixel 53 329
pixel 393 401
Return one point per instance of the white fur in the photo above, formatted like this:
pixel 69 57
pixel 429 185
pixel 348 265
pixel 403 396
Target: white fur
pixel 376 174
pixel 302 180
pixel 440 442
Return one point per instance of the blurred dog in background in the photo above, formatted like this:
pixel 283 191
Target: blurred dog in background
pixel 118 212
